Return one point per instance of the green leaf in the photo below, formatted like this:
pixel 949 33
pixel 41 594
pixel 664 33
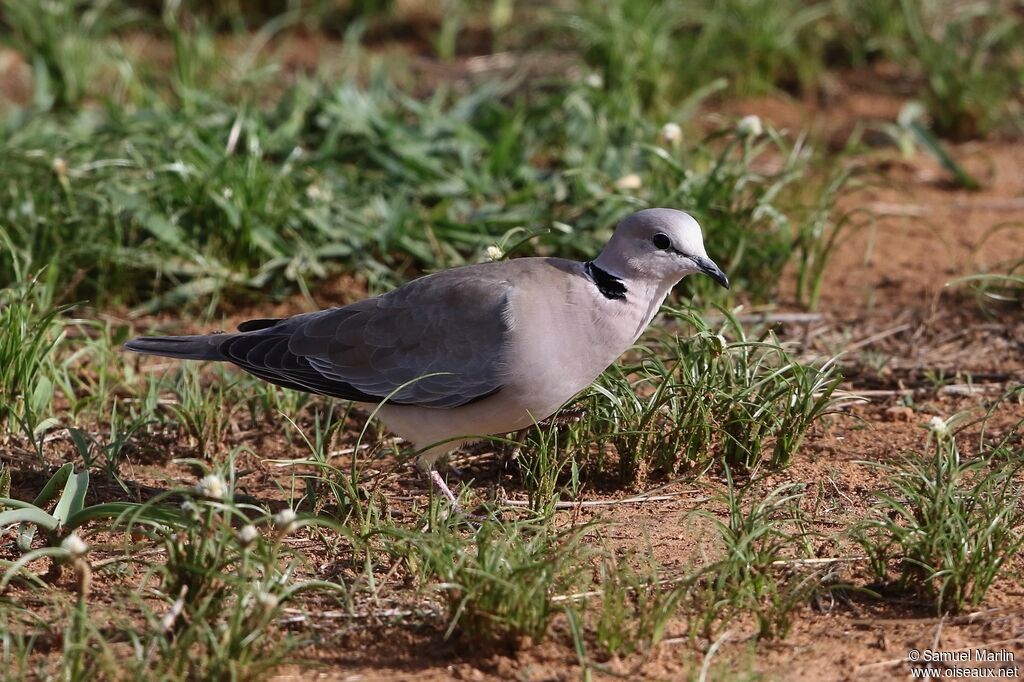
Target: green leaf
pixel 131 512
pixel 26 534
pixel 49 490
pixel 72 500
pixel 81 441
pixel 5 480
pixel 164 230
pixel 28 515
pixel 42 395
pixel 44 426
pixel 27 531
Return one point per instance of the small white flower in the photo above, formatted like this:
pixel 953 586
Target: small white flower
pixel 750 126
pixel 938 426
pixel 267 601
pixel 629 182
pixel 595 81
pixel 284 520
pixel 60 168
pixel 494 253
pixel 74 545
pixel 247 534
pixel 671 132
pixel 212 487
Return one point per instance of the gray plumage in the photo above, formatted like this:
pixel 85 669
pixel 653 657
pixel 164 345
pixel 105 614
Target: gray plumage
pixel 472 351
pixel 436 342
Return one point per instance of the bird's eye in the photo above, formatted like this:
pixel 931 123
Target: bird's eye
pixel 661 240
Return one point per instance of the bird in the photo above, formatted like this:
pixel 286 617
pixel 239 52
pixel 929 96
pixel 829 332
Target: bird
pixel 476 350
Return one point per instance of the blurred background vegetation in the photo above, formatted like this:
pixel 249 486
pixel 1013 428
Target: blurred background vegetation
pixel 168 153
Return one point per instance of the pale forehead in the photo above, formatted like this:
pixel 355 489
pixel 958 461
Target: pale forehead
pixel 665 219
pixel 679 226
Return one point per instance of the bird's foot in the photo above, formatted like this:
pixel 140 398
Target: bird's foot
pixel 565 417
pixel 442 487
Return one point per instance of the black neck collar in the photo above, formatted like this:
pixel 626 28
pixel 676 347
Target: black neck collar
pixel 608 284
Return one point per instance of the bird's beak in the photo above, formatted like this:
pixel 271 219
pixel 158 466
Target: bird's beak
pixel 711 269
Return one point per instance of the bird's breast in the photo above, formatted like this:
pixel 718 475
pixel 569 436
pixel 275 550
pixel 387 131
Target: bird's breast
pixel 560 345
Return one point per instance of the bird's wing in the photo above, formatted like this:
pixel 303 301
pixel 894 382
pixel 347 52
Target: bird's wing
pixel 445 333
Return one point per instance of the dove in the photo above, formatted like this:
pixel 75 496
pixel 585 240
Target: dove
pixel 475 350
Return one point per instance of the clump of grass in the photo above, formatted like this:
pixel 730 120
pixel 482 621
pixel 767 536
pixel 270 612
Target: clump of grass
pixel 551 449
pixel 68 512
pixel 758 575
pixel 499 584
pixel 227 574
pixel 207 609
pixel 760 45
pixel 947 525
pixel 203 408
pixel 868 30
pixel 67 43
pixel 635 605
pixel 30 329
pixel 963 58
pixel 337 491
pixel 654 52
pixel 693 400
pixel 630 43
pixel 969 57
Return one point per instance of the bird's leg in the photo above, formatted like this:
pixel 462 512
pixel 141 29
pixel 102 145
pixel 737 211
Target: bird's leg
pixel 566 416
pixel 559 419
pixel 427 464
pixel 517 449
pixel 442 487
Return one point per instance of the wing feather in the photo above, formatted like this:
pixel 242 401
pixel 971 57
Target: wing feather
pixel 453 324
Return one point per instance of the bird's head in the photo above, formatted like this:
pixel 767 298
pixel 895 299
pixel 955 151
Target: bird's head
pixel 660 244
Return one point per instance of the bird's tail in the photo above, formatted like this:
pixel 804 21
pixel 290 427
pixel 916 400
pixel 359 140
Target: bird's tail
pixel 183 347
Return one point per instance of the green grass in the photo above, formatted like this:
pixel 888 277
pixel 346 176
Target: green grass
pixel 636 605
pixel 225 574
pixel 68 45
pixel 216 176
pixel 498 584
pixel 761 573
pixel 969 60
pixel 696 397
pixel 30 329
pixel 207 179
pixel 946 525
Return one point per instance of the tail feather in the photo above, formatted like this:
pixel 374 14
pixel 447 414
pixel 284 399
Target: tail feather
pixel 183 347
